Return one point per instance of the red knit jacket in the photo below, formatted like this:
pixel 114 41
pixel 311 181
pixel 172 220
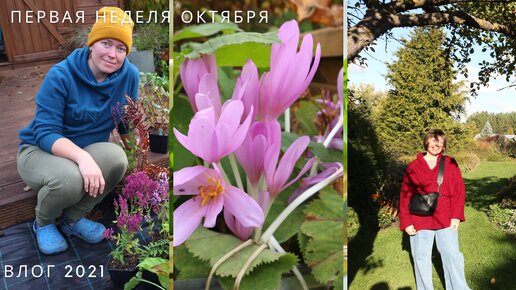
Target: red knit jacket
pixel 419 178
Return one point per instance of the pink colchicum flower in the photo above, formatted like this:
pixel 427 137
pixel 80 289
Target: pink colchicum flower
pixel 290 71
pixel 191 73
pixel 211 195
pixel 251 154
pixel 277 174
pixel 247 88
pixel 212 138
pixel 329 169
pixel 208 95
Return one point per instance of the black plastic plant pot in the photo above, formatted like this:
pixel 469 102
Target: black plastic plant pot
pixel 150 277
pixel 158 143
pixel 121 276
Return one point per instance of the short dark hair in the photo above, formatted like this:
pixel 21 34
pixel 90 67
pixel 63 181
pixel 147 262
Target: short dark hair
pixel 431 134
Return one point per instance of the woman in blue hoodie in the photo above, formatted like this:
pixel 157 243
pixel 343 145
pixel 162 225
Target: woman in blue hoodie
pixel 65 154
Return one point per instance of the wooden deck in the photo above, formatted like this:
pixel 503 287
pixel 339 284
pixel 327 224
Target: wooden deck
pixel 18 89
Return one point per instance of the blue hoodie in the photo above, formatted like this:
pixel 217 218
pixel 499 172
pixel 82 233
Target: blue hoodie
pixel 71 104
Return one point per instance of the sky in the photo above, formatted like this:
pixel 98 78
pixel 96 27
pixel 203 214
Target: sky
pixel 488 99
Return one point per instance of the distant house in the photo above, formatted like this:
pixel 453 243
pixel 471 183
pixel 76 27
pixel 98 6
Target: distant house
pixel 25 39
pixel 495 137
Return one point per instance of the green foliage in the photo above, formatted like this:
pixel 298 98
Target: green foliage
pixel 154 98
pixel 424 95
pixel 385 218
pixel 236 49
pixel 500 47
pixel 467 161
pixel 159 248
pixel 505 218
pixel 204 30
pixel 353 223
pixel 305 114
pixel 151 36
pixel 365 155
pixel 324 218
pixel 323 153
pixel 502 123
pixel 290 226
pixel 156 266
pixel 266 269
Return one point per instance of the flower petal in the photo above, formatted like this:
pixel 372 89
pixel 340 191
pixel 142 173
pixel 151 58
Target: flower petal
pixel 243 233
pixel 186 219
pixel 243 207
pixel 187 181
pixel 213 208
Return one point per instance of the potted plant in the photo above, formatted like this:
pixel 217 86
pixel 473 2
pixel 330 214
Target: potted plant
pixel 155 101
pixel 138 198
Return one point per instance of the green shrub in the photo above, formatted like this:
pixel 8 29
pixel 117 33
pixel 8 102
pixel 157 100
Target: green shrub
pixel 353 223
pixel 385 217
pixel 505 218
pixel 406 159
pixel 467 161
pixel 152 36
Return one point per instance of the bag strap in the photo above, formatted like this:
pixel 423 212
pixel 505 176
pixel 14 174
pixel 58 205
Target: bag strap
pixel 440 175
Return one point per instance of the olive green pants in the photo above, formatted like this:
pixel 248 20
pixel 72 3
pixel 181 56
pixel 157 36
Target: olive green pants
pixel 59 182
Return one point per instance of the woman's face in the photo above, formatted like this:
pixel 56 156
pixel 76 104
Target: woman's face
pixel 435 146
pixel 106 57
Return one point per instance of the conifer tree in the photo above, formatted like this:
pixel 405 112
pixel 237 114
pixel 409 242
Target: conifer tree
pixel 487 130
pixel 424 93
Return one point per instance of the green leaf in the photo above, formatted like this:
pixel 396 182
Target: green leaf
pixel 226 82
pixel 291 225
pixel 324 154
pixel 238 54
pixel 305 116
pixel 210 246
pixel 158 266
pixel 189 266
pixel 324 224
pixel 203 30
pixel 239 46
pixel 264 277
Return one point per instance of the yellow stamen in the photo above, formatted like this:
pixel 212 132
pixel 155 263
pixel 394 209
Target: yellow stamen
pixel 210 191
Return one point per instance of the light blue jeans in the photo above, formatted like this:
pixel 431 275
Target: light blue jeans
pixel 447 239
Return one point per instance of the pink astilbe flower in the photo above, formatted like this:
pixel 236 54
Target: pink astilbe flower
pixel 138 183
pixel 247 88
pixel 251 154
pixel 212 138
pixel 290 71
pixel 108 234
pixel 211 195
pixel 130 222
pixel 191 73
pixel 277 174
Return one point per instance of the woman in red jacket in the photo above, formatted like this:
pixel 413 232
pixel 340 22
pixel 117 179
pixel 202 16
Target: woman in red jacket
pixel 421 177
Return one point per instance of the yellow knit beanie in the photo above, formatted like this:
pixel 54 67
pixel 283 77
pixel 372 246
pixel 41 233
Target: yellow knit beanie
pixel 112 22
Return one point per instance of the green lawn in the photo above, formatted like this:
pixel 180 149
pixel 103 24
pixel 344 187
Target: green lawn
pixel 490 256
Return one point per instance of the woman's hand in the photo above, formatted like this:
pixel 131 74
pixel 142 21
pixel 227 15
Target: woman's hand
pixel 410 230
pixel 455 224
pixel 92 175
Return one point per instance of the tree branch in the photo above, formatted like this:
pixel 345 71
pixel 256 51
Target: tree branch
pixel 376 22
pixel 401 6
pixel 456 17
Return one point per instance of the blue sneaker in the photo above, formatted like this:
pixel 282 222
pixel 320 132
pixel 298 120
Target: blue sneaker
pixel 50 240
pixel 85 229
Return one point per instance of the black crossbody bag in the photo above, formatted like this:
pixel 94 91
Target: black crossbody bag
pixel 425 204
